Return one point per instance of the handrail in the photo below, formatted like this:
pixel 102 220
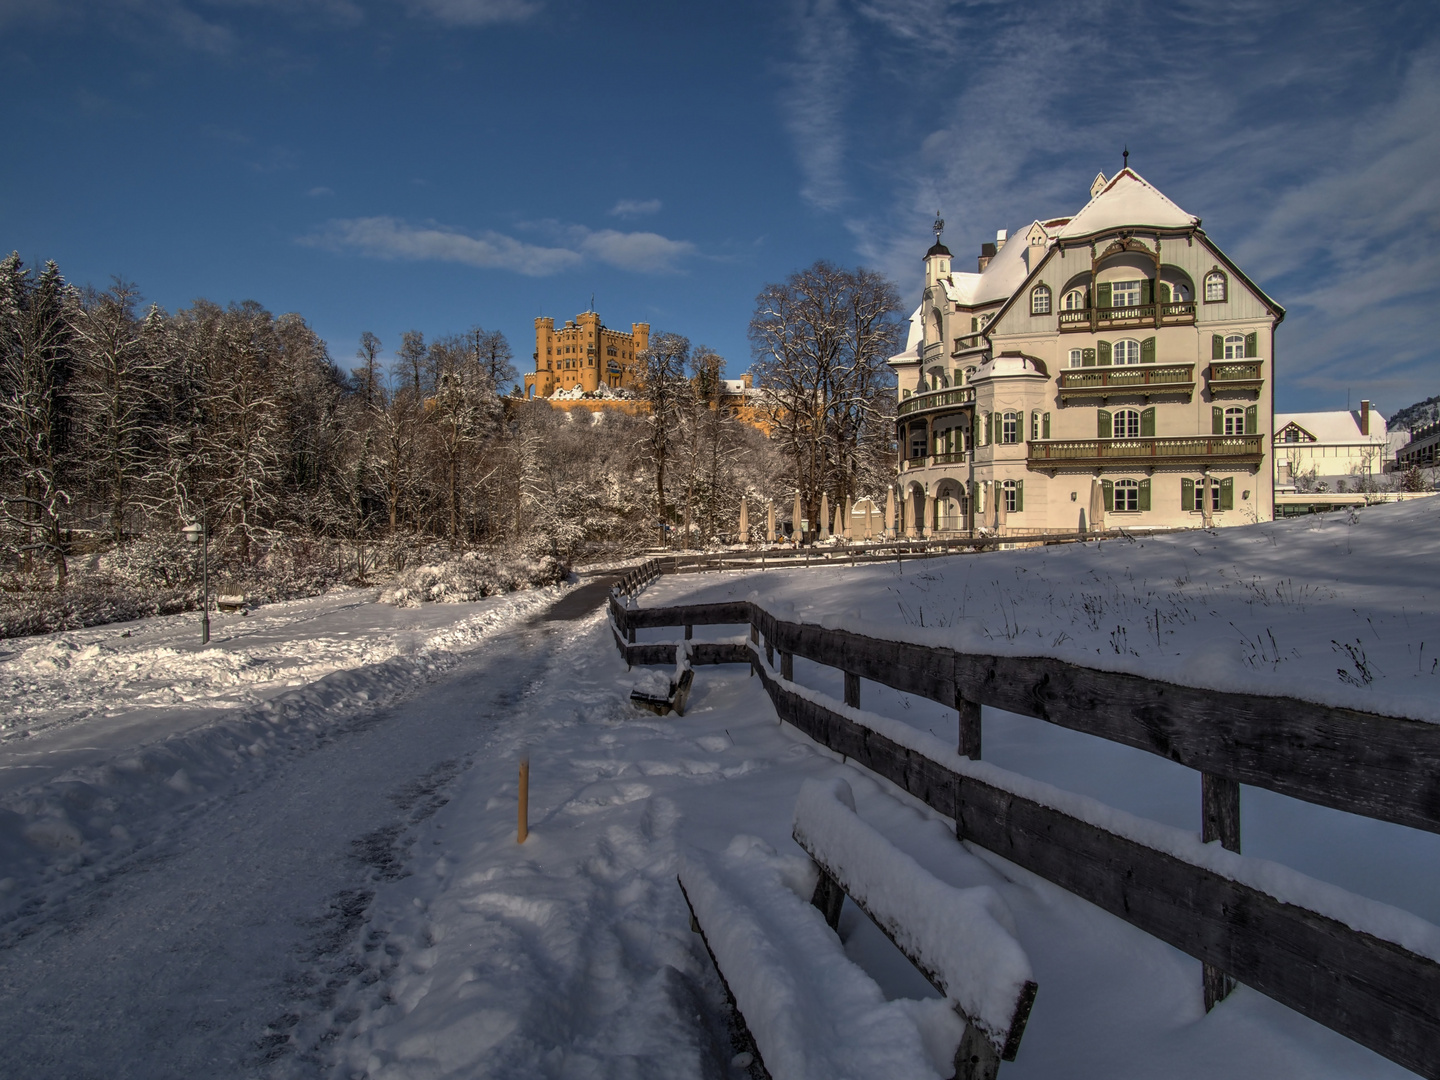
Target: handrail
pixel 937 399
pixel 1241 449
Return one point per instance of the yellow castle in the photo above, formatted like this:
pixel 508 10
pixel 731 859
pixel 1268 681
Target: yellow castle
pixel 584 355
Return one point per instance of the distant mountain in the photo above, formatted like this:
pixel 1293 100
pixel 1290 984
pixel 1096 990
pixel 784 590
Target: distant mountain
pixel 1414 417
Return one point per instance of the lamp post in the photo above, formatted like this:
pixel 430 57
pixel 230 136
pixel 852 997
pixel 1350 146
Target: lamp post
pixel 196 534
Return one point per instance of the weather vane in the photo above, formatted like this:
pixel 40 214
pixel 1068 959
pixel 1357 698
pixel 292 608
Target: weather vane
pixel 939 226
pixel 1127 155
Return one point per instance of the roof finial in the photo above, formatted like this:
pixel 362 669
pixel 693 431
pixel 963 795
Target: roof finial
pixel 592 301
pixel 939 226
pixel 1127 155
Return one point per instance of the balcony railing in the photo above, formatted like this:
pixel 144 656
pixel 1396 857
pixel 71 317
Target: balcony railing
pixel 1147 453
pixel 937 399
pixel 1177 313
pixel 935 348
pixel 947 457
pixel 1237 375
pixel 1146 379
pixel 968 342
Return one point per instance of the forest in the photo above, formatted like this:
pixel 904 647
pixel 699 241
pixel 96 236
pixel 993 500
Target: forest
pixel 120 423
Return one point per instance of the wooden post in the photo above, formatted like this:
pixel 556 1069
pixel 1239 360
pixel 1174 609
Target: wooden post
pixel 1220 820
pixel 787 666
pixel 754 634
pixel 969 726
pixel 630 634
pixel 689 631
pixel 852 690
pixel 770 654
pixel 829 898
pixel 524 802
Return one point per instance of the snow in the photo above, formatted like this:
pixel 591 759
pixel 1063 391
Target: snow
pixel 303 861
pixel 962 936
pixel 812 1012
pixel 1331 608
pixel 1336 426
pixel 1128 199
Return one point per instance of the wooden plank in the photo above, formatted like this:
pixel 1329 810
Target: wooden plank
pixel 787 666
pixel 1220 820
pixel 691 615
pixel 1369 990
pixel 852 690
pixel 969 744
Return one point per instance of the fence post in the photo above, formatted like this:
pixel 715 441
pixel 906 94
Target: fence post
pixel 1220 820
pixel 787 666
pixel 852 690
pixel 689 631
pixel 523 825
pixel 969 726
pixel 770 654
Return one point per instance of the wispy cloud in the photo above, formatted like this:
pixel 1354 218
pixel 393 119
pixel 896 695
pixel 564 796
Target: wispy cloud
pixel 626 208
pixel 319 192
pixel 392 238
pixel 475 12
pixel 815 99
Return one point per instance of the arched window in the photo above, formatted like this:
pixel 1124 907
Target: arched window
pixel 1011 494
pixel 1074 300
pixel 1128 352
pixel 1234 420
pixel 1040 300
pixel 1235 347
pixel 1010 428
pixel 1127 423
pixel 1127 495
pixel 1216 287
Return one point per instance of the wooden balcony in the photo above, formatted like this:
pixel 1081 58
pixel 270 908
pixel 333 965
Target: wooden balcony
pixel 1237 375
pixel 937 399
pixel 948 457
pixel 1179 313
pixel 1221 451
pixel 1145 380
pixel 968 343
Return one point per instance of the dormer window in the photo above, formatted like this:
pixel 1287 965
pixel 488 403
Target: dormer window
pixel 1216 287
pixel 1040 300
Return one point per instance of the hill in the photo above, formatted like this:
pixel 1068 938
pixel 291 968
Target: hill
pixel 1414 417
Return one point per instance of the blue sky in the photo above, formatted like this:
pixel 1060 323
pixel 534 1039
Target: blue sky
pixel 389 165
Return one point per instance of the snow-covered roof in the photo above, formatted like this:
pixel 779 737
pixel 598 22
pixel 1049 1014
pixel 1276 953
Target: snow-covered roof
pixel 1001 366
pixel 913 340
pixel 1127 200
pixel 737 386
pixel 1334 427
pixel 1005 273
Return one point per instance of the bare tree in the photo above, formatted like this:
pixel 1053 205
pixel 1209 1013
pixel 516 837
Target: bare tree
pixel 661 369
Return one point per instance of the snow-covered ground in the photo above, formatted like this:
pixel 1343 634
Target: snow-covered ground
pixel 323 880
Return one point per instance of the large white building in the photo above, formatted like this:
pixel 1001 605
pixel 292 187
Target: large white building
pixel 1115 365
pixel 1329 448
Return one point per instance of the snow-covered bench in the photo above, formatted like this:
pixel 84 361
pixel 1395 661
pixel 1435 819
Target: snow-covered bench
pixel 811 1012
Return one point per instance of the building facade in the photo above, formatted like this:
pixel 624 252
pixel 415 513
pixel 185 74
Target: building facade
pixel 584 355
pixel 1110 368
pixel 1330 448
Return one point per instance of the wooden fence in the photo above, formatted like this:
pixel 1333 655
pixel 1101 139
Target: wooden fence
pixel 1376 992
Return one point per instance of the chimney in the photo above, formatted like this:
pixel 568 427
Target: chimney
pixel 987 252
pixel 1000 236
pixel 1364 417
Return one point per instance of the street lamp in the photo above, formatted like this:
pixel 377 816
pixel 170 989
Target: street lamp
pixel 196 534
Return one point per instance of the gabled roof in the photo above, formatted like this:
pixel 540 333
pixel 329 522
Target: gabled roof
pixel 1333 427
pixel 1000 278
pixel 1126 201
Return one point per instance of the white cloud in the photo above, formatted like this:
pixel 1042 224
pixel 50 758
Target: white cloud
pixel 635 207
pixel 814 104
pixel 391 238
pixel 319 192
pixel 646 252
pixel 475 12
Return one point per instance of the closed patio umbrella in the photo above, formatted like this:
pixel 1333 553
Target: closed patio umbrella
pixel 824 517
pixel 744 521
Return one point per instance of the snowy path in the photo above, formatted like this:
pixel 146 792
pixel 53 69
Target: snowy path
pixel 198 955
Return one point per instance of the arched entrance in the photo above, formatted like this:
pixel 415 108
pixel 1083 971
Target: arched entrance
pixel 951 511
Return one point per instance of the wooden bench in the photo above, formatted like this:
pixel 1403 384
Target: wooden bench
pixel 803 1007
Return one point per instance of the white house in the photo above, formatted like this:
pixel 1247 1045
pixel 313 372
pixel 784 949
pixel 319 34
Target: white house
pixel 1115 364
pixel 1329 448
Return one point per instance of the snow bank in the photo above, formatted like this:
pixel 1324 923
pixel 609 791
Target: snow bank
pixel 813 1013
pixel 963 937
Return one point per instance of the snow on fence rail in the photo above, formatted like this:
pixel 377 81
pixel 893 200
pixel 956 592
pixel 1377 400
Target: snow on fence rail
pixel 1355 979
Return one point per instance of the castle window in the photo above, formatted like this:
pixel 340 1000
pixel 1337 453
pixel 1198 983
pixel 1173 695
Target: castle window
pixel 1011 493
pixel 1126 352
pixel 1074 300
pixel 1215 287
pixel 1040 300
pixel 1235 347
pixel 1127 495
pixel 1126 424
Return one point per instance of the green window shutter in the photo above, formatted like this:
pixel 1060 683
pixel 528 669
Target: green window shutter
pixel 1217 420
pixel 1147 423
pixel 1145 287
pixel 1108 487
pixel 1102 294
pixel 1252 417
pixel 1252 344
pixel 974 324
pixel 1145 494
pixel 1164 290
pixel 1019 495
pixel 1147 351
pixel 1102 353
pixel 1102 424
pixel 1227 493
pixel 1187 494
pixel 1045 426
pixel 1217 347
pixel 1087 357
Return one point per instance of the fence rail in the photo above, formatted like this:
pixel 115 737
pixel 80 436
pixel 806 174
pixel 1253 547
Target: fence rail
pixel 1378 993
